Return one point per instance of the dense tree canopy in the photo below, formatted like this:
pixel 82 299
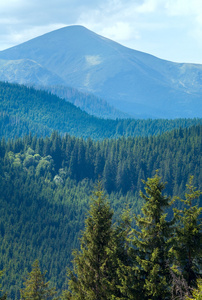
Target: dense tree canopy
pixel 45 186
pixel 24 110
pixel 109 257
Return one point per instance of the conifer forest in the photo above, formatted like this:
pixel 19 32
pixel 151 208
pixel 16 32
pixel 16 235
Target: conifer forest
pixel 95 208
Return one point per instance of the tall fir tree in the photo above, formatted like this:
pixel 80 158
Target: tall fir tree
pixel 188 250
pixel 90 276
pixel 36 288
pixel 125 275
pixel 99 265
pixel 152 242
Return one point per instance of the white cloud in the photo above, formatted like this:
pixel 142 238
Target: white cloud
pixel 192 10
pixel 114 20
pixel 6 5
pixel 148 6
pixel 36 31
pixel 148 25
pixel 119 31
pixel 184 7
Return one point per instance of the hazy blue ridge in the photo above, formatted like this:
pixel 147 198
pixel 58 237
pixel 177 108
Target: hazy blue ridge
pixel 24 110
pixel 131 81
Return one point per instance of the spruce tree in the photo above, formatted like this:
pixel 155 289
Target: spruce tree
pixel 35 286
pixel 125 276
pixel 188 250
pixel 152 242
pixel 91 265
pixel 102 266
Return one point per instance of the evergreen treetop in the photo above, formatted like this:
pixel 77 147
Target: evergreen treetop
pixel 152 241
pixel 36 288
pixel 188 240
pixel 89 279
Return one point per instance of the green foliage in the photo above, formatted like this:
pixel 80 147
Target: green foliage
pixel 188 249
pixel 45 185
pixel 35 286
pixel 102 269
pixel 87 102
pixel 152 241
pixel 25 110
pixel 121 163
pixel 126 279
pixel 4 296
pixel 92 263
pixel 197 292
pixel 115 262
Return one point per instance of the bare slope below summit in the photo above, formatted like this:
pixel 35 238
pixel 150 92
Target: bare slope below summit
pixel 134 82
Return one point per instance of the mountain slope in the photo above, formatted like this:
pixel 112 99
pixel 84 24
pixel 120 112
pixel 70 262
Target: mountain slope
pixel 30 73
pixel 24 110
pixel 134 82
pixel 26 71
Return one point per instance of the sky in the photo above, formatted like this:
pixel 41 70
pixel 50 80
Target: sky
pixel 168 29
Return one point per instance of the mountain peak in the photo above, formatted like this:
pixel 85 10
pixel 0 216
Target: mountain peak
pixel 133 82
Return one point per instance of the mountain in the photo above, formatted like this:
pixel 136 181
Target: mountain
pixel 27 71
pixel 24 110
pixel 134 82
pixel 30 73
pixel 86 101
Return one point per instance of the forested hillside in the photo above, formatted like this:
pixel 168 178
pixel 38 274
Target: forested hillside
pixel 45 186
pixel 24 110
pixel 86 101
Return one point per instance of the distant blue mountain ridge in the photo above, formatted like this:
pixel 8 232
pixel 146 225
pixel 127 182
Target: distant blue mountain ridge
pixel 130 82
